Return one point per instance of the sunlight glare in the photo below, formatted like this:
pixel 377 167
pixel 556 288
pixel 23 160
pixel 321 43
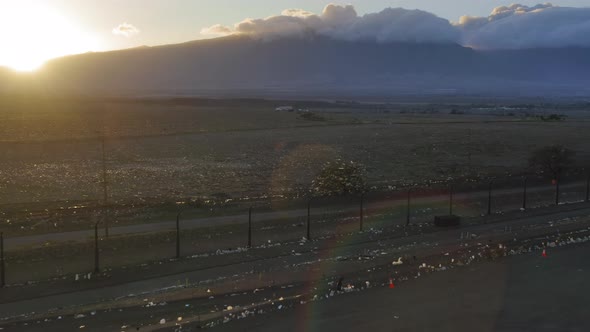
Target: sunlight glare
pixel 31 33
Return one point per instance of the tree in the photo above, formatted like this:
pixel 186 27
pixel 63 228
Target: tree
pixel 339 178
pixel 551 160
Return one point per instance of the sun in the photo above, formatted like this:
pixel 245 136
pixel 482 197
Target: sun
pixel 32 33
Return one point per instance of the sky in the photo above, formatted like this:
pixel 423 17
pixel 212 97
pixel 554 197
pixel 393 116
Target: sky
pixel 32 31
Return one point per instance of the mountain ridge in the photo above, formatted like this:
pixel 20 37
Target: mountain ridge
pixel 317 65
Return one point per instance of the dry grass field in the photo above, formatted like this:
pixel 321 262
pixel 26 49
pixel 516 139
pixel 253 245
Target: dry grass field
pixel 160 151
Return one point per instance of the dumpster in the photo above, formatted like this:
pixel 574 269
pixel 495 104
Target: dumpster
pixel 447 221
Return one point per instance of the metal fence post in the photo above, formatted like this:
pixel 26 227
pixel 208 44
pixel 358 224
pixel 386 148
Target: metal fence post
pixel 524 193
pixel 178 235
pixel 451 200
pixel 250 227
pixel 588 189
pixel 557 180
pixel 308 235
pixel 361 212
pixel 2 265
pixel 96 252
pixel 408 208
pixel 490 199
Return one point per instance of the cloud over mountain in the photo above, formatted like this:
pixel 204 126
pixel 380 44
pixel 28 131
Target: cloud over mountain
pixel 343 23
pixel 520 27
pixel 507 27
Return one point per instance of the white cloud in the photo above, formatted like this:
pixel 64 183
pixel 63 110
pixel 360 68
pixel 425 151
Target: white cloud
pixel 217 30
pixel 507 27
pixel 517 27
pixel 125 30
pixel 343 22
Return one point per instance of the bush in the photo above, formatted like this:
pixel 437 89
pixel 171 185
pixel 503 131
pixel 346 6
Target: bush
pixel 339 178
pixel 551 160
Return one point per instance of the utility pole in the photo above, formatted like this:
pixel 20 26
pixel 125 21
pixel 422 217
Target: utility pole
pixel 105 188
pixel 178 235
pixel 96 252
pixel 2 265
pixel 250 228
pixel 408 208
pixel 308 236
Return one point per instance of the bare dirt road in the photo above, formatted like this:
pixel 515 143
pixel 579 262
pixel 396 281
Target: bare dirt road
pixel 291 270
pixel 520 293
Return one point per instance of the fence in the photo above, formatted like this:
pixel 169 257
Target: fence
pixel 261 227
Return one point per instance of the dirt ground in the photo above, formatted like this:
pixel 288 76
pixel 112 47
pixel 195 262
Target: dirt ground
pixel 521 293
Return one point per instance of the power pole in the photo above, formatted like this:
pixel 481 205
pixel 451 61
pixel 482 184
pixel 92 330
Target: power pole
pixel 105 188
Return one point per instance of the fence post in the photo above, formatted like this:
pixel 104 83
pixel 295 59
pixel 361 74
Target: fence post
pixel 361 212
pixel 588 189
pixel 96 253
pixel 2 266
pixel 408 208
pixel 451 200
pixel 524 193
pixel 250 227
pixel 490 199
pixel 308 236
pixel 105 188
pixel 178 235
pixel 557 180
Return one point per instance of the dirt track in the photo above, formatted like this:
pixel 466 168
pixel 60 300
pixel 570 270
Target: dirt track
pixel 295 265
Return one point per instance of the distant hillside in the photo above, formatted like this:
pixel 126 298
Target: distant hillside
pixel 316 66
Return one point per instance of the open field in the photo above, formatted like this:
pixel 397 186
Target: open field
pixel 216 153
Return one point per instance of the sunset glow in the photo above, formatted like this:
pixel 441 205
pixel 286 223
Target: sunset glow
pixel 32 34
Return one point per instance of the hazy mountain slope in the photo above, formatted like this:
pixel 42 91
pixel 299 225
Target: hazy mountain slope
pixel 315 65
